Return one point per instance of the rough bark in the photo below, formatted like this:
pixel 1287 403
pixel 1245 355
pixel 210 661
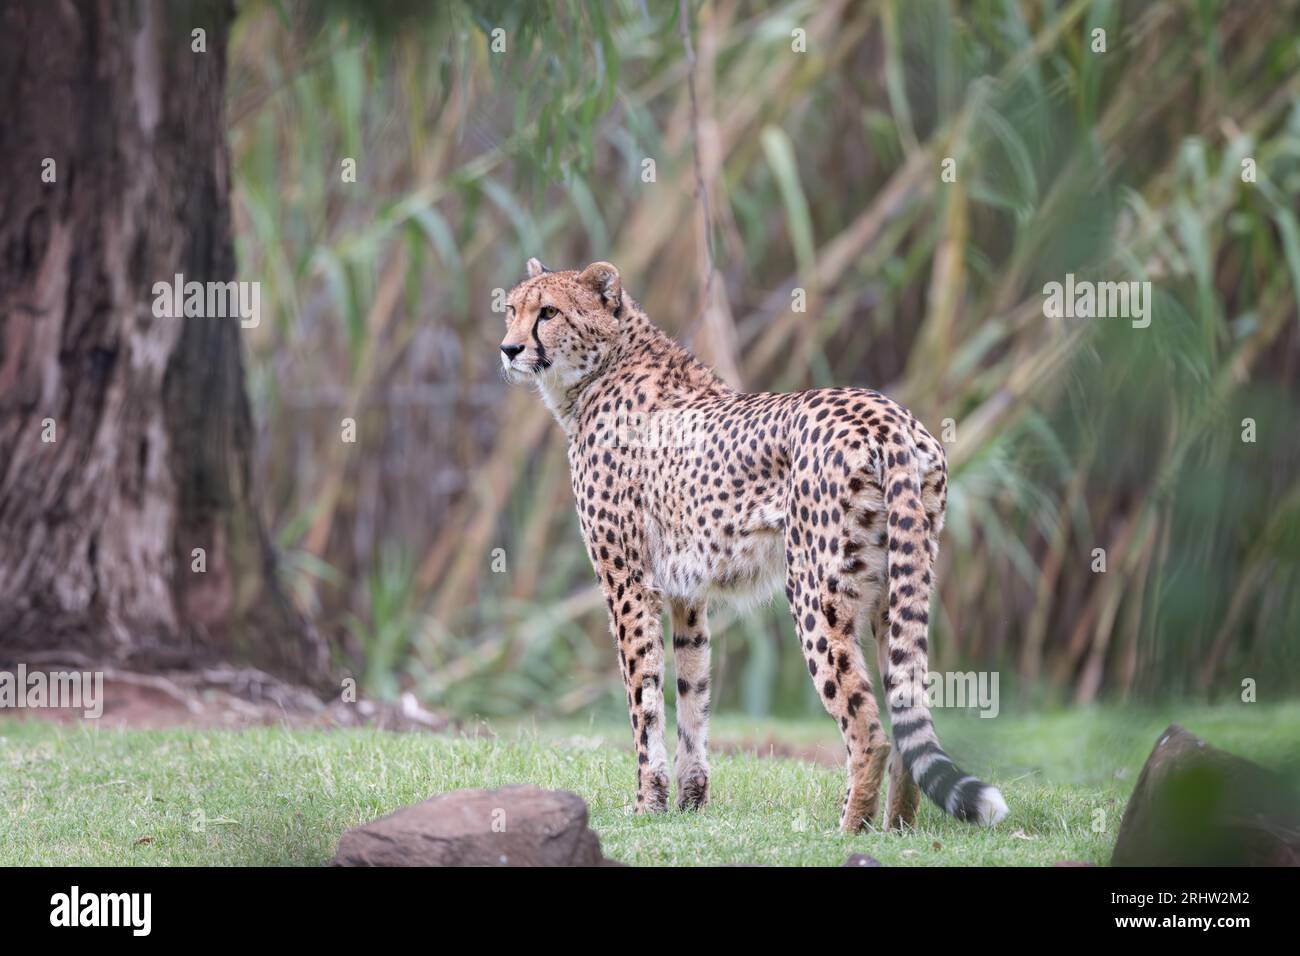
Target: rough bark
pixel 151 457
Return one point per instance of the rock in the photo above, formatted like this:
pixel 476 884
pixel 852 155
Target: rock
pixel 1071 863
pixel 512 826
pixel 1195 805
pixel 861 859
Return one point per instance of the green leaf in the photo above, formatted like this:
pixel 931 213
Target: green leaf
pixel 780 159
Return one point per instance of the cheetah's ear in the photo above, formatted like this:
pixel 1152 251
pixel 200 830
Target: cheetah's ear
pixel 603 279
pixel 535 268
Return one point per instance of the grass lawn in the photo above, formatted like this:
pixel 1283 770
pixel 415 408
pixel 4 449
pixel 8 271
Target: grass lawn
pixel 85 796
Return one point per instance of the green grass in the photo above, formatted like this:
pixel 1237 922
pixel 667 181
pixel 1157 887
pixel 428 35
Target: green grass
pixel 73 795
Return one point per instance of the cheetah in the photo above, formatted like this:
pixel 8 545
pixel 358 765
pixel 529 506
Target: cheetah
pixel 838 493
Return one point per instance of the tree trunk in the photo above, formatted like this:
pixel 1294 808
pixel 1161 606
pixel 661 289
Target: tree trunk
pixel 124 436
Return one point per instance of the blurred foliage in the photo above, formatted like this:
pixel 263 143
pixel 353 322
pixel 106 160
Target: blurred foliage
pixel 823 173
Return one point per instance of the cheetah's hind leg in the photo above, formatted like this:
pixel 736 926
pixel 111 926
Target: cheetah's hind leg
pixel 904 795
pixel 691 654
pixel 825 607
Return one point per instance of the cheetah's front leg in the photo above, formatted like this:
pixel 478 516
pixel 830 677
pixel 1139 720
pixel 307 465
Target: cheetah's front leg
pixel 691 656
pixel 634 619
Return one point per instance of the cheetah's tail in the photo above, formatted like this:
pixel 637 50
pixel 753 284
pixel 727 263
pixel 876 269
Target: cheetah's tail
pixel 958 793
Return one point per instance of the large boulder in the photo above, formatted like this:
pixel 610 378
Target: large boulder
pixel 512 826
pixel 1195 805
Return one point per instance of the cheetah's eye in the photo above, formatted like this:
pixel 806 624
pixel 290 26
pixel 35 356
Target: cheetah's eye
pixel 548 312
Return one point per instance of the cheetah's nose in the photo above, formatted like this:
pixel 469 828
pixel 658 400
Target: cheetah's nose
pixel 511 351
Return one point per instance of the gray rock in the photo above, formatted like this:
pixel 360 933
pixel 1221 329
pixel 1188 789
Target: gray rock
pixel 861 859
pixel 512 826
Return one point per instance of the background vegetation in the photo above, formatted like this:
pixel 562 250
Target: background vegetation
pixel 821 172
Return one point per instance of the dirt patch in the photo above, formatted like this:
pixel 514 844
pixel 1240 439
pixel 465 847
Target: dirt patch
pixel 230 698
pixel 236 698
pixel 771 747
pixel 826 755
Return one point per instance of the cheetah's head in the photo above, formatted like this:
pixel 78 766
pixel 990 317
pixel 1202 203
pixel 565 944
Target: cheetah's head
pixel 560 326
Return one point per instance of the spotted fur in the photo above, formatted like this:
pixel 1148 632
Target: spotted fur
pixel 840 492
